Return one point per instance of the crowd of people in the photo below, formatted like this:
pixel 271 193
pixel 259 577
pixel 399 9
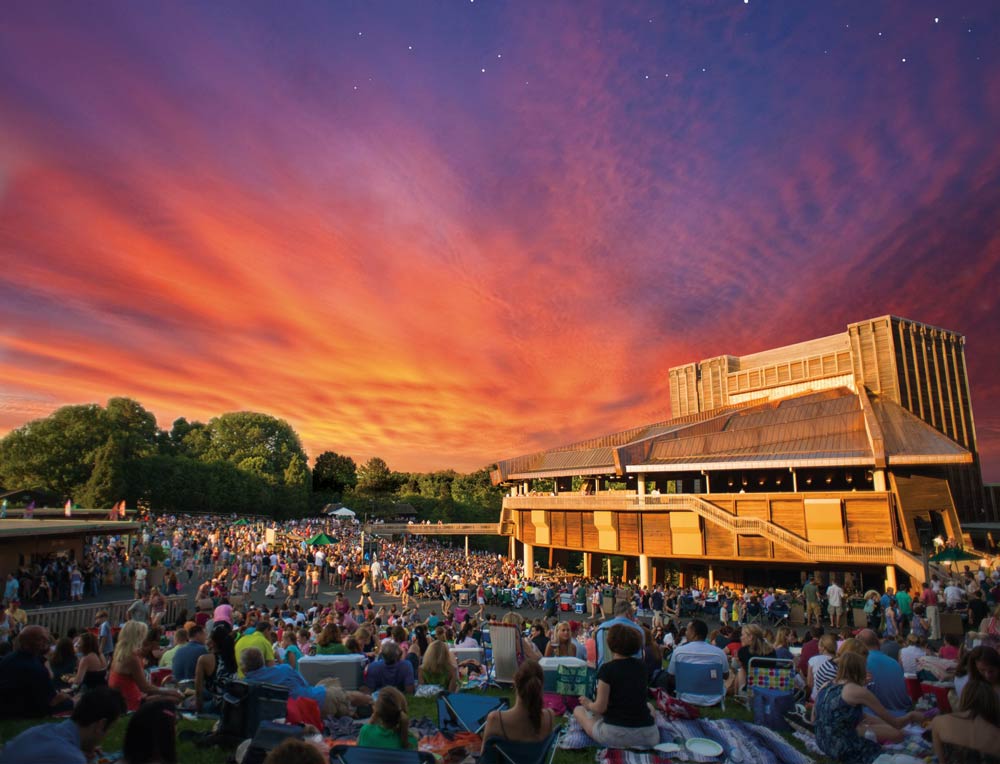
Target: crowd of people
pixel 262 598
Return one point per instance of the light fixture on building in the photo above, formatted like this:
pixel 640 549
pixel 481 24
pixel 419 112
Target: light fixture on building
pixel 829 479
pixel 849 478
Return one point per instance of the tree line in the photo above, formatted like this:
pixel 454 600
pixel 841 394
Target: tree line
pixel 239 462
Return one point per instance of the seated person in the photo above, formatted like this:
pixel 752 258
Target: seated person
pixel 390 671
pixel 438 667
pixel 619 716
pixel 72 741
pixel 527 721
pixel 151 735
pixel 127 674
pixel 841 724
pixel 92 670
pixel 563 644
pixel 185 657
pixel 889 683
pixel 294 751
pixel 62 663
pixel 255 672
pixel 971 734
pixel 696 650
pixel 25 684
pixel 389 726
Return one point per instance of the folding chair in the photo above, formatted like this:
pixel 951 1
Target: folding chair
pixel 507 649
pixel 466 712
pixel 359 754
pixel 700 679
pixel 755 612
pixel 497 750
pixel 773 680
pixel 779 613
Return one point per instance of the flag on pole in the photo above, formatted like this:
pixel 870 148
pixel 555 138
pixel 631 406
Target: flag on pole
pixel 121 509
pixel 29 511
pixel 68 509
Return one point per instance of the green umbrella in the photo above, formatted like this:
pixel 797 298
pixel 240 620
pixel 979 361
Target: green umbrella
pixel 241 521
pixel 320 539
pixel 954 554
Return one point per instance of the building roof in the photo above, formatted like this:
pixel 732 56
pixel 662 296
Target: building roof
pixel 829 428
pixel 10 528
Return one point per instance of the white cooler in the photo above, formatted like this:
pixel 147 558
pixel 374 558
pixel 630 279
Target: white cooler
pixel 349 669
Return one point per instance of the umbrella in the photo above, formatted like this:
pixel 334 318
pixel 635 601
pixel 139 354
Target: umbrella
pixel 870 592
pixel 320 539
pixel 954 554
pixel 344 512
pixel 241 521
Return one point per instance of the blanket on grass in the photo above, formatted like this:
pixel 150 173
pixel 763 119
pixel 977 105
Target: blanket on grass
pixel 742 741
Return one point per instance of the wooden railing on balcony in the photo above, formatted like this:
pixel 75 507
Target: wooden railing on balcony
pixel 444 529
pixel 871 554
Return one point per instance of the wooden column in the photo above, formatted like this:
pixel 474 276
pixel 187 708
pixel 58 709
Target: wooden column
pixel 529 561
pixel 890 577
pixel 466 546
pixel 795 480
pixel 878 481
pixel 588 560
pixel 641 488
pixel 711 576
pixel 644 571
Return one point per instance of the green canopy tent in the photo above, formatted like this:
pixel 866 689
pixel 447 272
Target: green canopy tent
pixel 954 554
pixel 320 539
pixel 241 521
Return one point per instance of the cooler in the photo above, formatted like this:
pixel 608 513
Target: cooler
pixel 565 602
pixel 550 669
pixel 349 669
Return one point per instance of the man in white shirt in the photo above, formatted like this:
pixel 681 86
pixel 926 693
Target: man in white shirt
pixel 954 595
pixel 835 599
pixel 697 650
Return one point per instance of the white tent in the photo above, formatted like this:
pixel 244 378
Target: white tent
pixel 343 512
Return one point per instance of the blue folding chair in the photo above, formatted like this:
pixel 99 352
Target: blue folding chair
pixel 700 679
pixel 360 754
pixel 497 750
pixel 466 711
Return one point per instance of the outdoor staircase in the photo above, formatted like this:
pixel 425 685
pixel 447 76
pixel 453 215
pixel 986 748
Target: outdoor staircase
pixel 873 554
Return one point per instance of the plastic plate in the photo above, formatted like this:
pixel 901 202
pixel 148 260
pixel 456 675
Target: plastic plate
pixel 703 746
pixel 667 747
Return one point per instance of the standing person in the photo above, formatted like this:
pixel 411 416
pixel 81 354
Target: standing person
pixel 618 717
pixel 595 602
pixel 904 604
pixel 835 603
pixel 811 594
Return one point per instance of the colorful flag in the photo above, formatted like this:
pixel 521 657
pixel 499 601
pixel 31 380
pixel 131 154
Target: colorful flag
pixel 3 510
pixel 68 509
pixel 121 509
pixel 29 511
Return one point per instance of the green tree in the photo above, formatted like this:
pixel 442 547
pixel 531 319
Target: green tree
pixel 132 426
pixel 374 476
pixel 296 487
pixel 333 472
pixel 258 443
pixel 107 483
pixel 56 452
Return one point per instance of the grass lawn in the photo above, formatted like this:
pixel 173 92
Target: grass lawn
pixel 189 754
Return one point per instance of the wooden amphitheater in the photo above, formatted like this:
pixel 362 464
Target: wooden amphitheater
pixel 837 455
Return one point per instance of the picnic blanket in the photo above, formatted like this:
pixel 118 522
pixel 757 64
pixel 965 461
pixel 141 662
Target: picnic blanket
pixel 742 741
pixel 619 756
pixel 913 745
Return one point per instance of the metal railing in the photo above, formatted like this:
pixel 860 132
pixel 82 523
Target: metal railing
pixel 59 620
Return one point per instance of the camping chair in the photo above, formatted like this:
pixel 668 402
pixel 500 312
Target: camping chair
pixel 778 613
pixel 497 750
pixel 687 606
pixel 697 678
pixel 359 754
pixel 755 612
pixel 773 679
pixel 507 652
pixel 465 711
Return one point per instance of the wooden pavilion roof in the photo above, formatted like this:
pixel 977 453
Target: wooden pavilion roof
pixel 830 428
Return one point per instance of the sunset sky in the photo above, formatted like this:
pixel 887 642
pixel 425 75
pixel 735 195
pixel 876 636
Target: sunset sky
pixel 448 232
